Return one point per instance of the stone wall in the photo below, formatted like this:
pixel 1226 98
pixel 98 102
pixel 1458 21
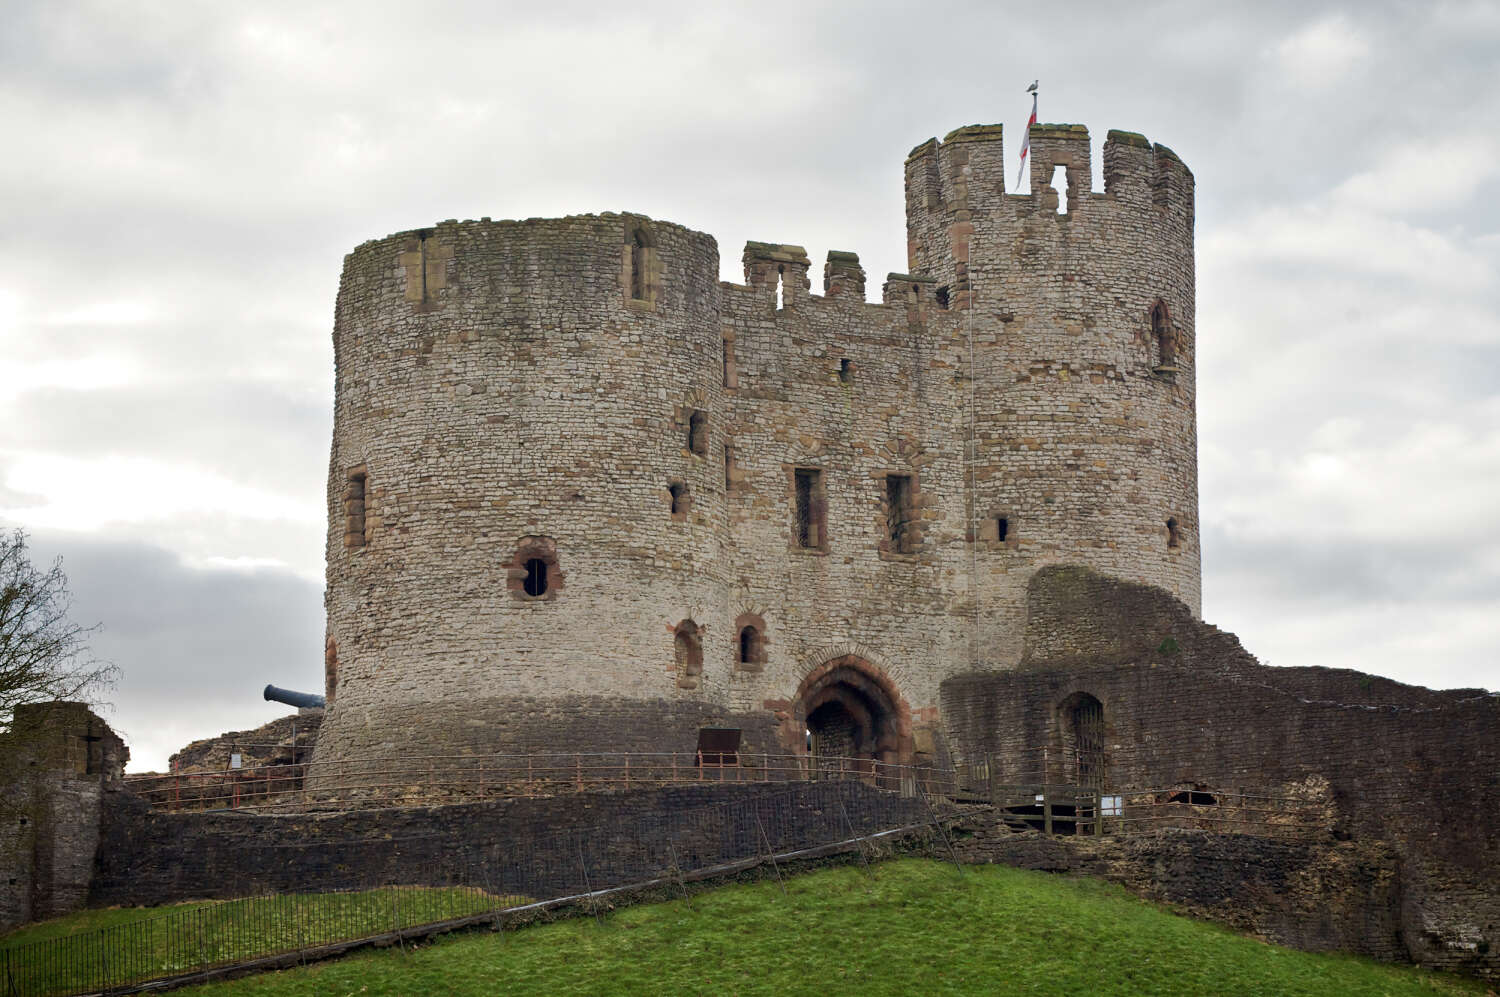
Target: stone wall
pixel 538 847
pixel 1333 896
pixel 584 394
pixel 283 741
pixel 59 764
pixel 1185 705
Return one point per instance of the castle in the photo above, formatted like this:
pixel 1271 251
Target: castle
pixel 583 496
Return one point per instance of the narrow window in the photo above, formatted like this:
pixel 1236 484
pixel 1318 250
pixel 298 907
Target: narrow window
pixel 93 753
pixel 533 573
pixel 354 509
pixel 731 371
pixel 330 669
pixel 1060 184
pixel 942 297
pixel 728 468
pixel 1173 540
pixel 810 527
pixel 638 265
pixel 1161 331
pixel 750 650
pixel 1002 528
pixel 678 491
pixel 688 651
pixel 846 371
pixel 898 509
pixel 535 582
pixel 698 433
pixel 780 288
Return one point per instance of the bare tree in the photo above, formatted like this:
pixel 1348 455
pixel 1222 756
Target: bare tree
pixel 44 655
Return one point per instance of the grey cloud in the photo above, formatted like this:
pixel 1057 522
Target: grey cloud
pixel 195 647
pixel 1309 570
pixel 218 162
pixel 272 434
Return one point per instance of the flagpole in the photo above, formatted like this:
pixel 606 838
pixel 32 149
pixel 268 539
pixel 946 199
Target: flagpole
pixel 1026 141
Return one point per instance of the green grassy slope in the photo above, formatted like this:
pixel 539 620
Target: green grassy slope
pixel 118 946
pixel 916 927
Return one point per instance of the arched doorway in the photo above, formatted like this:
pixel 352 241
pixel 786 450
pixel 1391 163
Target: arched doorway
pixel 1081 727
pixel 850 715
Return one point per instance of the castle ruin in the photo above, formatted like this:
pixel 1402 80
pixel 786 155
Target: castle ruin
pixel 584 496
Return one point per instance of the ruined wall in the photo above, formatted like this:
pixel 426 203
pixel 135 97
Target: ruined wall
pixel 1415 768
pixel 583 393
pixel 58 764
pixel 283 741
pixel 1320 896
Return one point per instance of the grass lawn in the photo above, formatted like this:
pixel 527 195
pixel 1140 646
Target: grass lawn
pixel 97 947
pixel 917 927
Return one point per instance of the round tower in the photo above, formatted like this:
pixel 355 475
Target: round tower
pixel 523 496
pixel 1079 309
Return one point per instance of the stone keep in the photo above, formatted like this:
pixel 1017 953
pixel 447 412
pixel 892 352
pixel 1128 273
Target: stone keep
pixel 584 496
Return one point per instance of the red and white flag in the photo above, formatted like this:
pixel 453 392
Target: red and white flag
pixel 1026 142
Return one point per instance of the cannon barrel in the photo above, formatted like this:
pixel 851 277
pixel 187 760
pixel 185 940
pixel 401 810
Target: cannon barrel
pixel 302 700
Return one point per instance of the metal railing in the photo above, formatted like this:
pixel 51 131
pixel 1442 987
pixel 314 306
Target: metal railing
pixel 451 779
pixel 1083 811
pixel 501 883
pixel 447 779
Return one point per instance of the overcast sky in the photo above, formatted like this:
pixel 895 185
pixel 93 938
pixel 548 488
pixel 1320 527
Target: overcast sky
pixel 183 181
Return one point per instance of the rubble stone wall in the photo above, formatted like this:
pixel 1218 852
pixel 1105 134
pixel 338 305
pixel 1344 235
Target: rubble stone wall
pixel 1320 896
pixel 59 763
pixel 1186 706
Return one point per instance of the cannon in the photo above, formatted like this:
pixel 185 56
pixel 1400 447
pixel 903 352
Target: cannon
pixel 301 700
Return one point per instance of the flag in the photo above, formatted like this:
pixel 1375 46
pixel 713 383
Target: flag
pixel 1026 142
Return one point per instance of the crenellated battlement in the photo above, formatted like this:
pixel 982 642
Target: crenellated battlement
pixel 965 170
pixel 963 224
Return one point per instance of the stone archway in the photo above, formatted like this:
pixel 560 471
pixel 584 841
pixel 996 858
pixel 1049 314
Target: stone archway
pixel 848 708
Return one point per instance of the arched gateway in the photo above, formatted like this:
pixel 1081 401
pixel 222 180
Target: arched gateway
pixel 848 708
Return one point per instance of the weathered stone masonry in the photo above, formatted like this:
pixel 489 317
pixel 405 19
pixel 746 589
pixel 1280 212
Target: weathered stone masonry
pixel 1184 705
pixel 560 443
pixel 59 765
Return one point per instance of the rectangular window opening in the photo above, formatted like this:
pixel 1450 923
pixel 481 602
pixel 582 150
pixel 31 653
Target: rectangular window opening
pixel 898 512
pixel 810 528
